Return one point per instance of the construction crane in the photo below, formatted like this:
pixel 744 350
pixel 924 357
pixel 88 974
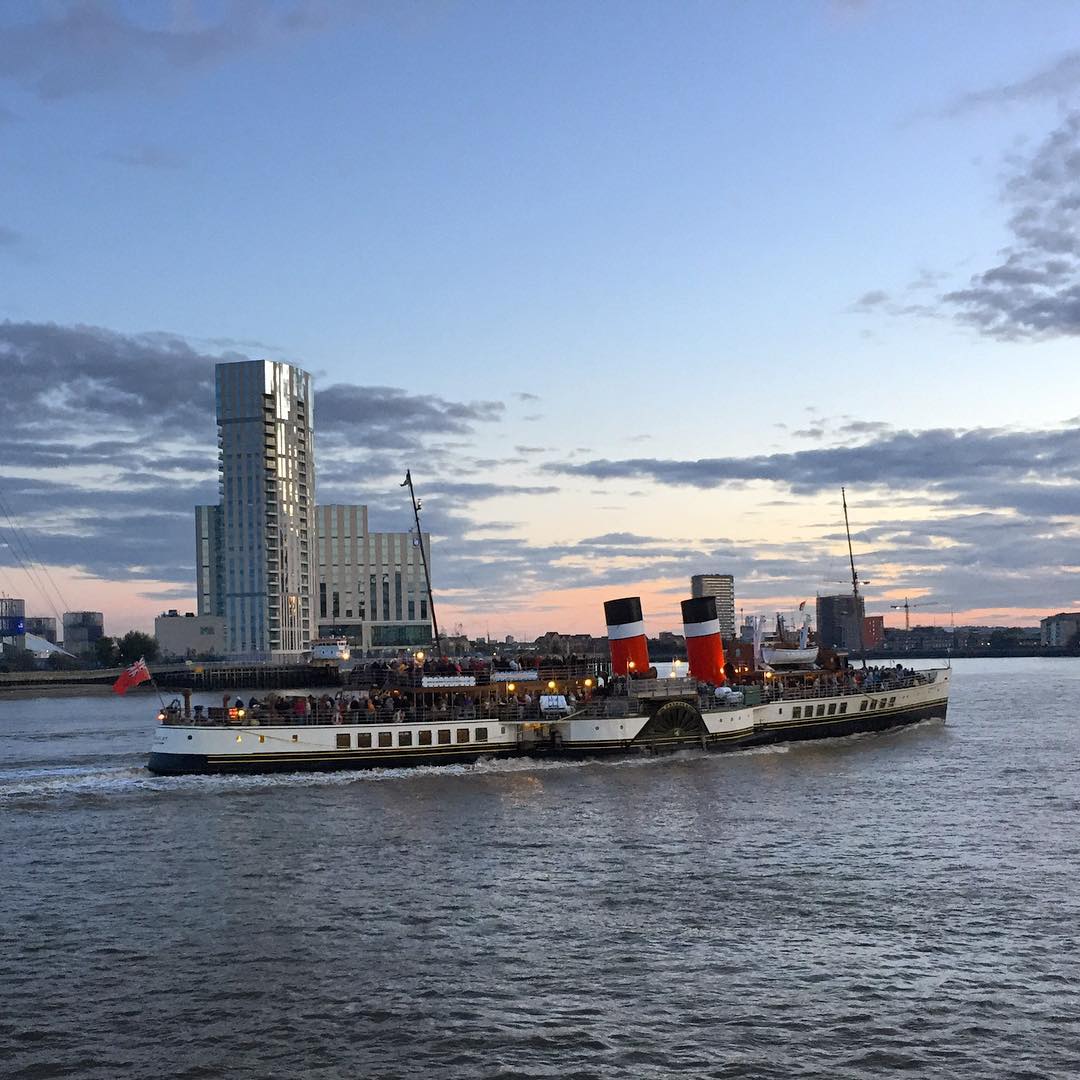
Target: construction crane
pixel 907 609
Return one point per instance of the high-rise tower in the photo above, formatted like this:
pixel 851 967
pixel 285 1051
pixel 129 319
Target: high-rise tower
pixel 262 577
pixel 722 586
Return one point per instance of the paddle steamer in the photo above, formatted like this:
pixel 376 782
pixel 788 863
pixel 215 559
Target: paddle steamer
pixel 407 715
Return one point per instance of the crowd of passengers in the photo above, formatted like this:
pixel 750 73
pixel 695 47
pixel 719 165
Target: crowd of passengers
pixel 387 707
pixel 849 680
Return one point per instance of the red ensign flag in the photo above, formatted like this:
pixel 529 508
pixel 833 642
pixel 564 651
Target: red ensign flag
pixel 132 676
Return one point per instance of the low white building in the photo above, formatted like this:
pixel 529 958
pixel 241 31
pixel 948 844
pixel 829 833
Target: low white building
pixel 189 636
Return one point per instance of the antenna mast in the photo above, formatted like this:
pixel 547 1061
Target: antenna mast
pixel 407 482
pixel 854 580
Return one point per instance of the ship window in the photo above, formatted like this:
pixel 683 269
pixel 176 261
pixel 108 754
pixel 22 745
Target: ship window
pixel 481 734
pixel 862 705
pixel 386 738
pixel 796 712
pixel 462 734
pixel 832 709
pixel 423 738
pixel 502 731
pixel 363 738
pixel 343 740
pixel 843 707
pixel 404 738
pixel 873 704
pixel 444 736
pixel 821 710
pixel 262 738
pixel 296 738
pixel 892 701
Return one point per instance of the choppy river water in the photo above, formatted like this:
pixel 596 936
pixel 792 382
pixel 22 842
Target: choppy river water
pixel 904 903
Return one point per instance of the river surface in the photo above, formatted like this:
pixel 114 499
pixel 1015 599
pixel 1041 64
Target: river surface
pixel 897 904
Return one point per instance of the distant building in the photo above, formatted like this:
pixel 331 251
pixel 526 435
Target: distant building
pixel 1056 631
pixel 371 586
pixel 722 586
pixel 873 630
pixel 919 640
pixel 839 622
pixel 189 636
pixel 42 626
pixel 12 623
pixel 82 631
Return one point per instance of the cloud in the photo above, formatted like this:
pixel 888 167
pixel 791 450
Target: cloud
pixel 387 417
pixel 90 46
pixel 146 157
pixel 870 300
pixel 109 444
pixel 1060 80
pixel 964 466
pixel 1034 290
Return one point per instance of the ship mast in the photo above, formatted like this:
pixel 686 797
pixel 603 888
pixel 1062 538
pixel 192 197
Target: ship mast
pixel 407 482
pixel 854 580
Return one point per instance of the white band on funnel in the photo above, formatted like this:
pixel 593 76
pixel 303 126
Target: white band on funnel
pixel 627 630
pixel 702 629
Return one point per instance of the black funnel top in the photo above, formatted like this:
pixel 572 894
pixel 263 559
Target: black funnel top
pixel 620 612
pixel 698 610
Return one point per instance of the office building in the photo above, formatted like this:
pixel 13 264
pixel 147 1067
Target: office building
pixel 12 623
pixel 42 626
pixel 82 631
pixel 722 586
pixel 873 629
pixel 256 561
pixel 1057 631
pixel 839 622
pixel 189 636
pixel 371 586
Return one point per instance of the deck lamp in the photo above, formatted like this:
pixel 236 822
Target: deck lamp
pixel 551 685
pixel 511 687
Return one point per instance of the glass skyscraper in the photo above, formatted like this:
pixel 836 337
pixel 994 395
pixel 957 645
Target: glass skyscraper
pixel 256 548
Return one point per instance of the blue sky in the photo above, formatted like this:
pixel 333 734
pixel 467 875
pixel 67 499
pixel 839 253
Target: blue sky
pixel 692 231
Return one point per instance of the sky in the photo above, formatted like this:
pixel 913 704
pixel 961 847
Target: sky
pixel 632 288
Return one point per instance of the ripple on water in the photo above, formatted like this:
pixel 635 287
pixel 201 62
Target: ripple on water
pixel 884 905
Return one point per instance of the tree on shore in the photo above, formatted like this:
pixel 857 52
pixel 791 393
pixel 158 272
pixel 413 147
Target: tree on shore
pixel 135 644
pixel 106 652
